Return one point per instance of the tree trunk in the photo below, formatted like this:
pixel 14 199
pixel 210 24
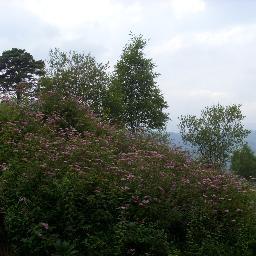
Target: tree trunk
pixel 18 96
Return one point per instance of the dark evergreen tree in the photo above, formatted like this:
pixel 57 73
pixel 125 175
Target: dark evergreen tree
pixel 243 162
pixel 19 72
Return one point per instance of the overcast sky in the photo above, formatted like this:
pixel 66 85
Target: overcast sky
pixel 205 50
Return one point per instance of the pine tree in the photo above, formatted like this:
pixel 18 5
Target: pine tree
pixel 19 72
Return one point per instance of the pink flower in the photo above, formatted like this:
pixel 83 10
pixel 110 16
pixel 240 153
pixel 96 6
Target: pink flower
pixel 45 225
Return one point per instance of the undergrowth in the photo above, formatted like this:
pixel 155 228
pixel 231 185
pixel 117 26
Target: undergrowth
pixel 71 184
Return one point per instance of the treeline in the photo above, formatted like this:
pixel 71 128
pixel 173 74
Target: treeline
pixel 129 97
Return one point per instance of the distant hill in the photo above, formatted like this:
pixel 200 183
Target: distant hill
pixel 177 141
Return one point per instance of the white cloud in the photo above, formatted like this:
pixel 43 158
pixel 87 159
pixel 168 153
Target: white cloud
pixel 232 36
pixel 202 94
pixel 171 46
pixel 207 94
pixel 183 8
pixel 66 14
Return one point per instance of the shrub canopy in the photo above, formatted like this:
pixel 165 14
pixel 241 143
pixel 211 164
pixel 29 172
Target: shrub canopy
pixel 72 185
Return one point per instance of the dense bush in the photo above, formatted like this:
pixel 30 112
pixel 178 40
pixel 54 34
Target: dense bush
pixel 71 185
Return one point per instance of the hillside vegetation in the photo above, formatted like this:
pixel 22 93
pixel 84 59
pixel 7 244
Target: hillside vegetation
pixel 71 184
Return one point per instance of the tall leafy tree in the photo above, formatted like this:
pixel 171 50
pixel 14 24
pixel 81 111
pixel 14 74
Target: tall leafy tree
pixel 78 75
pixel 19 72
pixel 216 134
pixel 134 98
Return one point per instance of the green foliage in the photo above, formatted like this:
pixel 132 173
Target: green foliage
pixel 216 134
pixel 19 72
pixel 78 75
pixel 133 97
pixel 66 112
pixel 243 162
pixel 140 239
pixel 67 188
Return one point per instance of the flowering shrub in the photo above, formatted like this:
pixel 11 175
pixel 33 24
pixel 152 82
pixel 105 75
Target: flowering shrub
pixel 72 185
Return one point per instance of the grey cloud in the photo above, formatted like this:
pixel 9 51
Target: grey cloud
pixel 193 75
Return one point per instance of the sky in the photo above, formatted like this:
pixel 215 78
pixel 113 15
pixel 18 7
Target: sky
pixel 205 50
